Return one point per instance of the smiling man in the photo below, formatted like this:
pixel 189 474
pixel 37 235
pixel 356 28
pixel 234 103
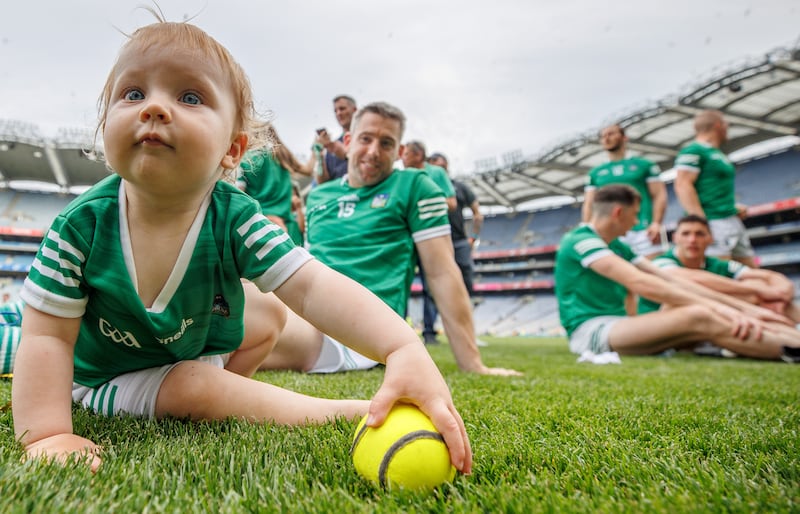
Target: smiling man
pixel 370 225
pixel 594 270
pixel 691 238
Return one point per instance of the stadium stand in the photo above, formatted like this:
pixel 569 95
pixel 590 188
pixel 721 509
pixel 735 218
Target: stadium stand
pixel 514 263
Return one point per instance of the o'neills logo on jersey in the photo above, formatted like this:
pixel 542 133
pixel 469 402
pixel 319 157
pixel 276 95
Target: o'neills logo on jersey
pixel 117 335
pixel 171 339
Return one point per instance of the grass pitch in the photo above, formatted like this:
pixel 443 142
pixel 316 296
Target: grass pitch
pixel 678 434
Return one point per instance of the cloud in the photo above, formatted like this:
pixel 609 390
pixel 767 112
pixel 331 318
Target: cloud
pixel 475 79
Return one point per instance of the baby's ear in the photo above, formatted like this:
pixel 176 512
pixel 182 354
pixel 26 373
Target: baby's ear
pixel 235 152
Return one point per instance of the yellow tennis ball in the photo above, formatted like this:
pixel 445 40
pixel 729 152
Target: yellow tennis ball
pixel 405 452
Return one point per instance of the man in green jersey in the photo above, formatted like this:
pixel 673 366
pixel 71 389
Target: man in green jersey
pixel 370 225
pixel 414 157
pixel 704 185
pixel 763 287
pixel 594 270
pixel 645 238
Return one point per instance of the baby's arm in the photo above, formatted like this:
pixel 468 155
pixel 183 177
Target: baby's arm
pixel 348 312
pixel 42 389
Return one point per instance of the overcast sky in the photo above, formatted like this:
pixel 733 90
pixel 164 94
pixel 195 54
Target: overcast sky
pixel 476 79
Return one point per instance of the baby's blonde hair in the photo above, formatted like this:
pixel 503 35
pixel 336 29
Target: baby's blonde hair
pixel 187 36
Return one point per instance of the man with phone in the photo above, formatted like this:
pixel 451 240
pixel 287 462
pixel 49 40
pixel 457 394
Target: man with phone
pixel 344 107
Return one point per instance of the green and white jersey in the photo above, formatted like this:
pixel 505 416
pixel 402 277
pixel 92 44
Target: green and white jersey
pixel 268 182
pixel 439 177
pixel 716 178
pixel 85 268
pixel 636 172
pixel 582 293
pixel 368 233
pixel 730 269
pixel 10 333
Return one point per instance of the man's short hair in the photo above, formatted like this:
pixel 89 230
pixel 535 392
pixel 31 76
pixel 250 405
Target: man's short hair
pixel 619 127
pixel 345 97
pixel 621 194
pixel 705 120
pixel 436 155
pixel 384 110
pixel 417 147
pixel 694 218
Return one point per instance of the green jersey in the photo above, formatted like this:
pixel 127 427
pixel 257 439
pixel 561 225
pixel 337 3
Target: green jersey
pixel 369 233
pixel 730 269
pixel 10 333
pixel 268 182
pixel 582 293
pixel 439 177
pixel 716 175
pixel 85 268
pixel 636 172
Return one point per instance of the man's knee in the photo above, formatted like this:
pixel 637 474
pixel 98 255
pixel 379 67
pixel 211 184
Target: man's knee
pixel 700 318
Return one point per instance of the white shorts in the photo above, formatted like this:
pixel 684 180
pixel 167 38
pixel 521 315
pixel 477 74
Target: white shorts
pixel 730 238
pixel 133 393
pixel 640 243
pixel 592 335
pixel 335 357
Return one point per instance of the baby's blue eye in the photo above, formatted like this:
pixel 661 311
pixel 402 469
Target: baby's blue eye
pixel 133 95
pixel 191 98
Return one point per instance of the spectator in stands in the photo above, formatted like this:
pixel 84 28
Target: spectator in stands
pixel 134 303
pixel 368 227
pixel 594 269
pixel 763 287
pixel 704 185
pixel 462 246
pixel 266 175
pixel 344 107
pixel 645 238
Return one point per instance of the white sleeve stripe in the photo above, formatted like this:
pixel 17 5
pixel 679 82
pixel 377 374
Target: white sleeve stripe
pixel 433 214
pixel 685 167
pixel 429 201
pixel 63 264
pixel 590 259
pixel 57 305
pixel 52 274
pixel 270 245
pixel 433 207
pixel 282 269
pixel 259 234
pixel 65 246
pixel 255 218
pixel 429 233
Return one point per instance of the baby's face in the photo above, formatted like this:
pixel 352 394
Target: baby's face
pixel 170 122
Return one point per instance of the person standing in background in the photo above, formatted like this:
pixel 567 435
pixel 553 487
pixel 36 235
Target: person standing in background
pixel 705 186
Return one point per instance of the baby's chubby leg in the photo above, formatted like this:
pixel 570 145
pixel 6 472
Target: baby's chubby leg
pixel 201 391
pixel 264 320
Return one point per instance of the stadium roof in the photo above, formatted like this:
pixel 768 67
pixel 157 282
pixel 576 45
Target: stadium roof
pixel 760 99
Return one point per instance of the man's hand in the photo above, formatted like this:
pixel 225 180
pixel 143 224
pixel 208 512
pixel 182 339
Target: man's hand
pixel 502 372
pixel 654 232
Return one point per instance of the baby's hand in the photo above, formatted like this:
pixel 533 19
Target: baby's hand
pixel 64 447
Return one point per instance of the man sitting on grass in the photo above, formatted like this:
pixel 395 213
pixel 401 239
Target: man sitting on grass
pixel 594 270
pixel 688 259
